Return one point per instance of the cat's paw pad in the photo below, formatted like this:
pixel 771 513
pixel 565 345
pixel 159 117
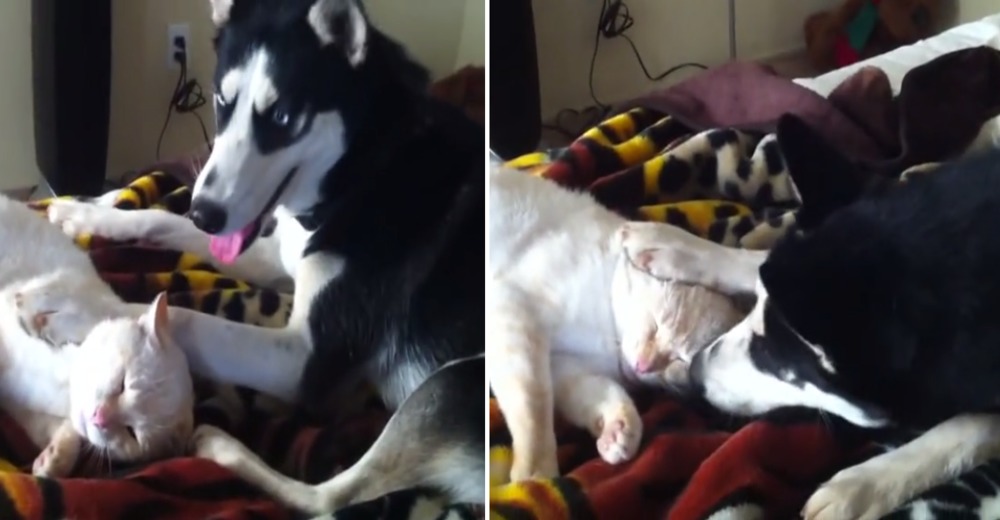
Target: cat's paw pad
pixel 857 493
pixel 209 442
pixel 53 463
pixel 620 436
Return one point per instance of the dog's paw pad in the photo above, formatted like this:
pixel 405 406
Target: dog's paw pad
pixel 619 439
pixel 851 495
pixel 72 217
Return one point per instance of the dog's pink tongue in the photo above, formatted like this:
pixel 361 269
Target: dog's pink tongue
pixel 226 248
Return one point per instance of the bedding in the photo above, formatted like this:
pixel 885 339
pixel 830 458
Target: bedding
pixel 730 183
pixel 897 63
pixel 188 487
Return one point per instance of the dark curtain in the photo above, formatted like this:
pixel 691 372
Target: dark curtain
pixel 71 69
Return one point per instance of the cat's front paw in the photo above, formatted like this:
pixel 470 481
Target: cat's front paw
pixel 621 433
pixel 77 218
pixel 56 461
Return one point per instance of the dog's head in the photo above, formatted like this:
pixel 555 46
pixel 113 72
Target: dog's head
pixel 764 363
pixel 293 87
pixel 791 350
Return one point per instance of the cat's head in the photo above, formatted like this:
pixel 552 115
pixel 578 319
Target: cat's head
pixel 131 393
pixel 663 324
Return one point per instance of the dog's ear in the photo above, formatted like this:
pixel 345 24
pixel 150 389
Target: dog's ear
pixel 341 23
pixel 220 11
pixel 825 179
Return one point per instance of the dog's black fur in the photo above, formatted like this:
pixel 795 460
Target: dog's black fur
pixel 405 209
pixel 900 289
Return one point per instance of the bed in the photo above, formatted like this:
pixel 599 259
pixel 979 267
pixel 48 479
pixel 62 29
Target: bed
pixel 709 155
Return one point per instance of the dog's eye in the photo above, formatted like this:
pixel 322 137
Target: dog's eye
pixel 280 117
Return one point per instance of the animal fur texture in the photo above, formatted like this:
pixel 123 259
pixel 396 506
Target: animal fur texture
pixel 880 311
pixel 573 323
pixel 79 368
pixel 321 118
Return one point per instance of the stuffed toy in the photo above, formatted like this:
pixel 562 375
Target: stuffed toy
pixel 860 29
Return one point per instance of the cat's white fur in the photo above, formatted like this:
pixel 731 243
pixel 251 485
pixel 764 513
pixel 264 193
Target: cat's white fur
pixel 78 364
pixel 572 321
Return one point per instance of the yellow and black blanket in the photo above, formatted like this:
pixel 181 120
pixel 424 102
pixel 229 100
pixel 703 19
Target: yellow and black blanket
pixel 189 487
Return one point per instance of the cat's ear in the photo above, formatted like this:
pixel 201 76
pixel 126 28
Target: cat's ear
pixel 341 23
pixel 156 320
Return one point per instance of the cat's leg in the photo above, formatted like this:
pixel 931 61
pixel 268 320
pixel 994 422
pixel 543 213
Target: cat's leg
pixel 670 253
pixel 520 379
pixel 62 310
pixel 59 458
pixel 599 404
pixel 875 487
pixel 260 264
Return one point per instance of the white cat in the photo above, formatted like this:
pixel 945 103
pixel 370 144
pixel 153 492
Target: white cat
pixel 78 366
pixel 571 320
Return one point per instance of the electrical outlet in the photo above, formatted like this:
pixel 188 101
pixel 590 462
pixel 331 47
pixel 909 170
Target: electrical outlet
pixel 178 44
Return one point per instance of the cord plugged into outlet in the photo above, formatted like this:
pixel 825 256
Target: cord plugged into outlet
pixel 178 38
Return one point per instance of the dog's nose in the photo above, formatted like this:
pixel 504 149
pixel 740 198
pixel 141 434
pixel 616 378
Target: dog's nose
pixel 207 216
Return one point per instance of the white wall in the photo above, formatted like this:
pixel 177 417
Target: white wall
pixel 666 33
pixel 442 34
pixel 17 140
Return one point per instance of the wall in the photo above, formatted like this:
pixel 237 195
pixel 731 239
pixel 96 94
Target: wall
pixel 17 140
pixel 443 34
pixel 666 33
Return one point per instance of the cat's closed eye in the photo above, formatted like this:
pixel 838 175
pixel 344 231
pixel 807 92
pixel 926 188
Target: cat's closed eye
pixel 131 432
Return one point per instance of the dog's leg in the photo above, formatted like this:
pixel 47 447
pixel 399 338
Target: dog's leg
pixel 521 380
pixel 260 264
pixel 600 405
pixel 435 439
pixel 669 253
pixel 875 487
pixel 269 360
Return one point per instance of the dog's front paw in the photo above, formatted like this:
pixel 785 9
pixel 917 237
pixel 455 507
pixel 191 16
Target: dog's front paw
pixel 659 250
pixel 73 217
pixel 620 435
pixel 209 442
pixel 857 493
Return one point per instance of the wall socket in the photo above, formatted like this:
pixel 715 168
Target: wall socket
pixel 178 42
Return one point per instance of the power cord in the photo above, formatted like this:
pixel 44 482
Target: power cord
pixel 187 98
pixel 614 22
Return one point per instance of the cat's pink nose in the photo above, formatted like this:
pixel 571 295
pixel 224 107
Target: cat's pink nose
pixel 100 417
pixel 643 365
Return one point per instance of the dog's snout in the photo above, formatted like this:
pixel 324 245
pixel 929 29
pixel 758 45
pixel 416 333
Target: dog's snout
pixel 208 216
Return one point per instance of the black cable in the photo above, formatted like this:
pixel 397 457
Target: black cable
pixel 614 21
pixel 187 98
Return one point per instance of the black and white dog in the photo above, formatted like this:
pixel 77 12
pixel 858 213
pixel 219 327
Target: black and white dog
pixel 325 128
pixel 884 311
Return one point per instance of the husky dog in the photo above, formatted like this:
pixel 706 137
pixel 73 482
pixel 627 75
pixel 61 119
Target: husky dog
pixel 325 126
pixel 881 311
